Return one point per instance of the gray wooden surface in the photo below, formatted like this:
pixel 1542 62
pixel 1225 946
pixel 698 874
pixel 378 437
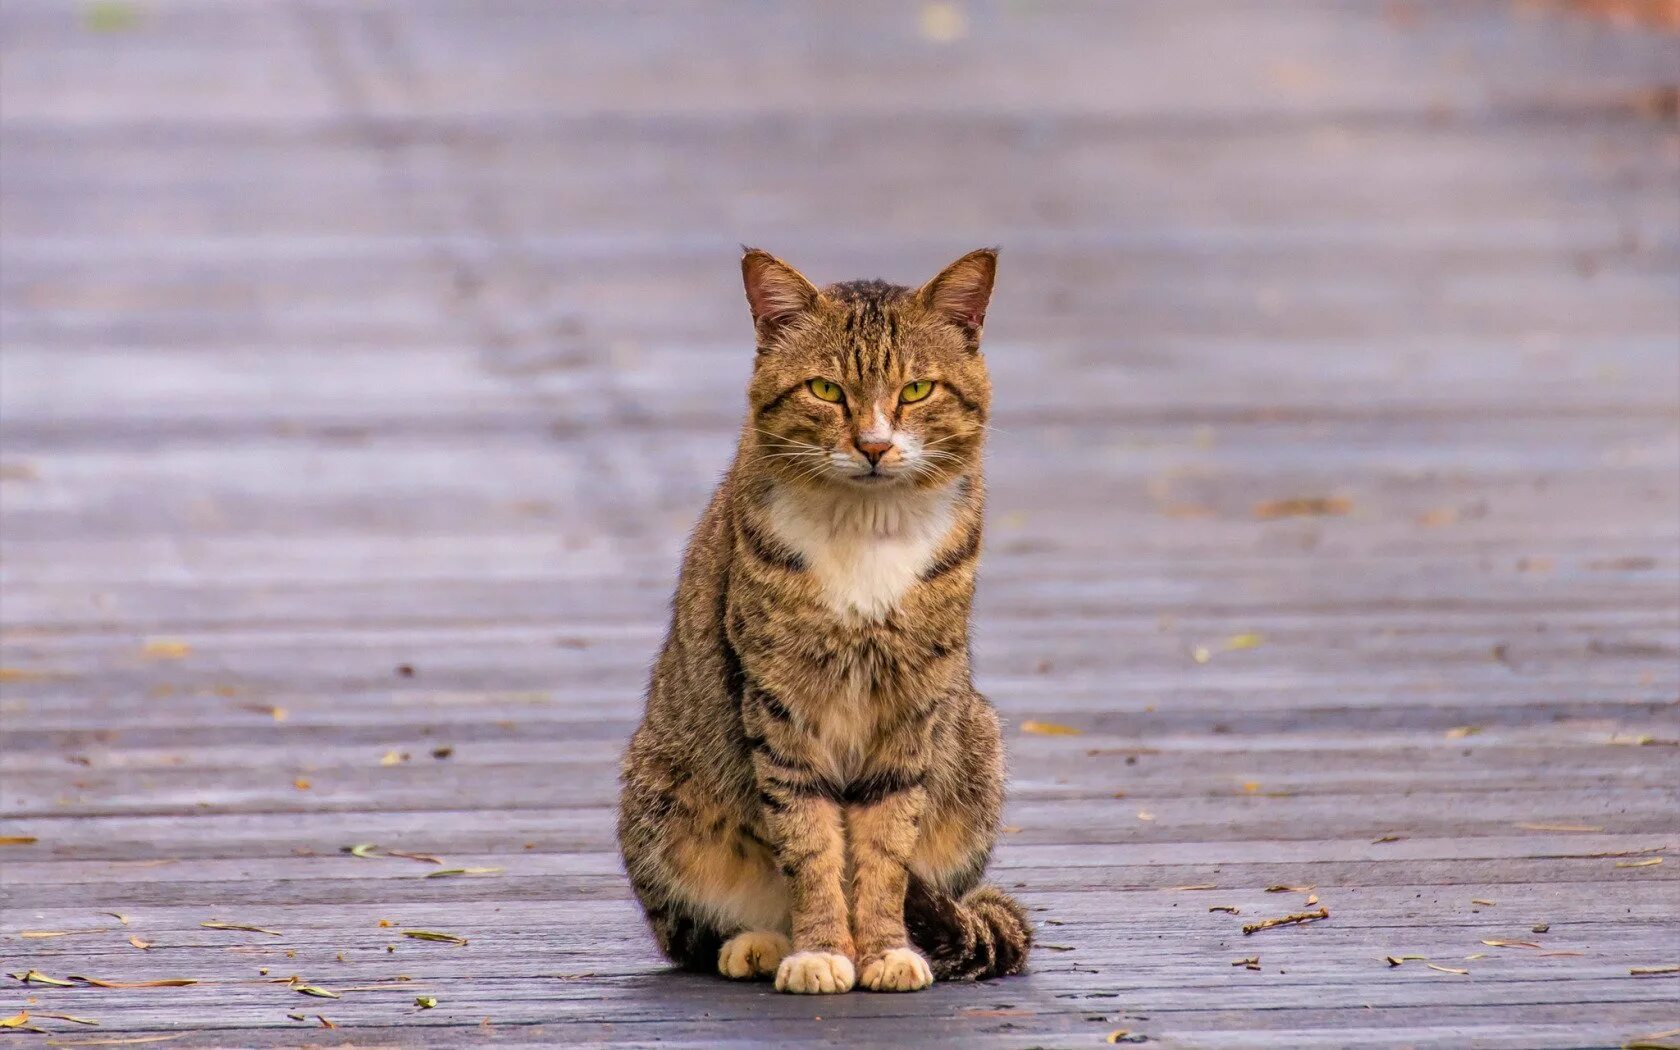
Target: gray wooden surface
pixel 344 338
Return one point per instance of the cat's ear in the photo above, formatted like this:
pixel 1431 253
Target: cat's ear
pixel 776 292
pixel 961 291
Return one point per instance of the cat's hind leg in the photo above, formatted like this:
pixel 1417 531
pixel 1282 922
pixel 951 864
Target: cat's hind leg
pixel 752 953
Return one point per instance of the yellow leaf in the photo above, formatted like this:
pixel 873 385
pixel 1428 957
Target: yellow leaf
pixel 1460 732
pixel 17 1020
pixel 1144 814
pixel 1201 654
pixel 1301 507
pixel 138 943
pixel 1639 863
pixel 943 23
pixel 1033 725
pixel 17 840
pixel 165 649
pixel 391 758
pixel 1244 641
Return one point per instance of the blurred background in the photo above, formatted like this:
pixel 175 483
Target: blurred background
pixel 366 363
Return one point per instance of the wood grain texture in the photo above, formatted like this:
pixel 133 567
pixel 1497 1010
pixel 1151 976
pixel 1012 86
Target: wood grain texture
pixel 365 365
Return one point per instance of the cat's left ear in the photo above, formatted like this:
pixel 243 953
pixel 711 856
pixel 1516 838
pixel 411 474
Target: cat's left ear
pixel 961 291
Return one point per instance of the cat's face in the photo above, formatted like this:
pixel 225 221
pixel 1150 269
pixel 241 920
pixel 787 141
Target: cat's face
pixel 866 384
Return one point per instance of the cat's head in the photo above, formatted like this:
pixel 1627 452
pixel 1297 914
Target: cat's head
pixel 866 384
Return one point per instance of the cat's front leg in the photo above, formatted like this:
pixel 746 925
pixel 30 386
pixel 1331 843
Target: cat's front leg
pixel 808 836
pixel 882 825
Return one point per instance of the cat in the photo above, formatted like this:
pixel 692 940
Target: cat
pixel 814 791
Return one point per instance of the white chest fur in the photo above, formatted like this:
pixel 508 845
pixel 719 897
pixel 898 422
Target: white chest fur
pixel 865 549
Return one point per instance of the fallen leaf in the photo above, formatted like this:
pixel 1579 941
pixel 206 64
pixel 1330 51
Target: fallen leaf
pixel 71 1018
pixel 37 977
pixel 406 855
pixel 1448 969
pixel 1201 654
pixel 165 649
pixel 138 943
pixel 302 784
pixel 1144 814
pixel 1289 889
pixel 1033 725
pixel 1380 839
pixel 1484 903
pixel 310 989
pixel 1439 517
pixel 364 849
pixel 41 935
pixel 942 23
pixel 1649 971
pixel 1528 826
pixel 444 873
pixel 1396 960
pixel 425 1002
pixel 217 925
pixel 324 1022
pixel 167 982
pixel 1197 886
pixel 1244 641
pixel 1496 942
pixel 392 758
pixel 1312 899
pixel 1460 732
pixel 1646 863
pixel 18 840
pixel 1224 908
pixel 1302 507
pixel 433 935
pixel 117 915
pixel 17 1020
pixel 126 1041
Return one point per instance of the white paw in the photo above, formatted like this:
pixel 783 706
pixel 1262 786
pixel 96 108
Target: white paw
pixel 899 970
pixel 815 973
pixel 752 954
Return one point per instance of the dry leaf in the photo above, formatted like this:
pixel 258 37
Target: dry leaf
pixel 1648 971
pixel 1197 886
pixel 125 1041
pixel 444 873
pixel 1289 889
pixel 302 784
pixel 216 925
pixel 1244 641
pixel 1495 942
pixel 392 758
pixel 942 22
pixel 1396 960
pixel 1033 725
pixel 1448 969
pixel 1380 839
pixel 425 857
pixel 310 989
pixel 1144 814
pixel 433 935
pixel 167 982
pixel 1528 826
pixel 37 977
pixel 17 1020
pixel 117 915
pixel 1648 862
pixel 18 840
pixel 1224 908
pixel 1484 903
pixel 1302 507
pixel 1201 654
pixel 71 1018
pixel 1312 899
pixel 138 943
pixel 41 935
pixel 425 1002
pixel 1460 732
pixel 165 649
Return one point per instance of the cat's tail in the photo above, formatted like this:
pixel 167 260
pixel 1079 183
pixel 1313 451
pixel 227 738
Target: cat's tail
pixel 981 935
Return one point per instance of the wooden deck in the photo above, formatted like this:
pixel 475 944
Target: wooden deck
pixel 366 363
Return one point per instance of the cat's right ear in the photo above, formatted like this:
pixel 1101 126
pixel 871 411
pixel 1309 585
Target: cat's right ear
pixel 776 292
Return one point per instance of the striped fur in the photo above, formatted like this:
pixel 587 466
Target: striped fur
pixel 815 788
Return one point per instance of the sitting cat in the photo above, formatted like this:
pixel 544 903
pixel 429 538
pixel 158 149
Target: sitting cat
pixel 814 791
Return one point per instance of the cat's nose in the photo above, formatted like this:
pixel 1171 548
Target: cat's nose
pixel 874 450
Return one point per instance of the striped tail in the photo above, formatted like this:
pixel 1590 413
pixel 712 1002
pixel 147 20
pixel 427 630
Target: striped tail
pixel 982 935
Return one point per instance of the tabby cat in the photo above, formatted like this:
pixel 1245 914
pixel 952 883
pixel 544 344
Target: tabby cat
pixel 815 788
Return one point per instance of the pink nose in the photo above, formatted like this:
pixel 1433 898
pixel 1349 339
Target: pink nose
pixel 874 450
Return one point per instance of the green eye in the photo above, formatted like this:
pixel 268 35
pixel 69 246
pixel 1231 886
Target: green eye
pixel 826 391
pixel 916 391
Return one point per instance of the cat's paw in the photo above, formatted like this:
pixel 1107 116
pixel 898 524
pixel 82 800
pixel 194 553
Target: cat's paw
pixel 752 954
pixel 898 970
pixel 815 973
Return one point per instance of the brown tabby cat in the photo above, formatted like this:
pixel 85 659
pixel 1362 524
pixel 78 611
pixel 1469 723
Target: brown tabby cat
pixel 816 783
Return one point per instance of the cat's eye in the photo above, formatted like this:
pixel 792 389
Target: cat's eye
pixel 916 391
pixel 825 390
